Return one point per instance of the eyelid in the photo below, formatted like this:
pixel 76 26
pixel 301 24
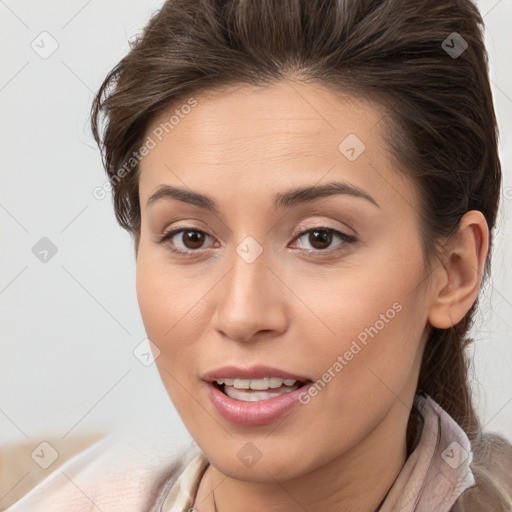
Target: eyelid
pixel 317 224
pixel 317 220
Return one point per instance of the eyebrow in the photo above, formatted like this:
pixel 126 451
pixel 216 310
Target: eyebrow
pixel 282 200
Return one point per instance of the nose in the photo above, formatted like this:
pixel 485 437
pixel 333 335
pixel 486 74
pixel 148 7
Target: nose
pixel 250 300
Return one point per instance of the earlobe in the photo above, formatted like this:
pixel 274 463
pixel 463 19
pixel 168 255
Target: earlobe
pixel 460 272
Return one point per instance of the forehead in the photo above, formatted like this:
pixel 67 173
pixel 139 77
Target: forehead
pixel 244 117
pixel 246 136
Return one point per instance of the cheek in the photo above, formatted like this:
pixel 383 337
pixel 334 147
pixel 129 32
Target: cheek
pixel 171 303
pixel 161 300
pixel 376 315
pixel 162 294
pixel 152 298
pixel 369 361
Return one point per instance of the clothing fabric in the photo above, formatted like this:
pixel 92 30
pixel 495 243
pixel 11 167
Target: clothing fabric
pixel 146 474
pixel 433 477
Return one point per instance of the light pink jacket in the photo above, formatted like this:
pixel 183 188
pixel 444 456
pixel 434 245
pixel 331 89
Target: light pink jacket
pixel 145 473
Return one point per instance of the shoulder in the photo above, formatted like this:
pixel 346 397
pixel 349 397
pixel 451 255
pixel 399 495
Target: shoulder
pixel 122 471
pixel 492 469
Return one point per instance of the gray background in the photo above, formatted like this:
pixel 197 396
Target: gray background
pixel 69 325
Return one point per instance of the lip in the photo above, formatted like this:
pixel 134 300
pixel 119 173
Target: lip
pixel 254 372
pixel 261 412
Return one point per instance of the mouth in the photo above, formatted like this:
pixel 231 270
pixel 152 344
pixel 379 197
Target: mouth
pixel 256 396
pixel 254 390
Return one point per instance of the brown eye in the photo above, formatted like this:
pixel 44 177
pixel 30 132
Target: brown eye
pixel 190 239
pixel 320 238
pixel 193 239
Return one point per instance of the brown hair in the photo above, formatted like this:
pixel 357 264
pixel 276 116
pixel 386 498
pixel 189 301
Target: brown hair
pixel 439 106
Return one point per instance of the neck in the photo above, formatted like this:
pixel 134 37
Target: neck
pixel 357 480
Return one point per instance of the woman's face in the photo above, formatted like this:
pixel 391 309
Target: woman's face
pixel 325 288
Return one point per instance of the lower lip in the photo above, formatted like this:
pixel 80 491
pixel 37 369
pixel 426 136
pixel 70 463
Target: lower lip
pixel 261 412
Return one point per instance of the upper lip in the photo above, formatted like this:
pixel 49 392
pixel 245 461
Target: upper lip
pixel 254 372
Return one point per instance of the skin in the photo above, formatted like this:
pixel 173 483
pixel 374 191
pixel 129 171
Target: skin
pixel 288 309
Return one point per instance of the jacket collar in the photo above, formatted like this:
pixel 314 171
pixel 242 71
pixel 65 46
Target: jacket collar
pixel 438 471
pixel 435 474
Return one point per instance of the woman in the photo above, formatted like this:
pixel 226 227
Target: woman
pixel 312 187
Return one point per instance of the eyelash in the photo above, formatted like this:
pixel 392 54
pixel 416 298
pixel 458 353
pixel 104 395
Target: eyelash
pixel 344 237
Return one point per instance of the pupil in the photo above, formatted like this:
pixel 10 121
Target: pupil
pixel 196 239
pixel 325 238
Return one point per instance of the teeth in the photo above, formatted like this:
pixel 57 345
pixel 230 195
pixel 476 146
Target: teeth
pixel 257 384
pixel 250 396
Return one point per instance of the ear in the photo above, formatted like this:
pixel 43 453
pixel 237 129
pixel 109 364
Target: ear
pixel 460 271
